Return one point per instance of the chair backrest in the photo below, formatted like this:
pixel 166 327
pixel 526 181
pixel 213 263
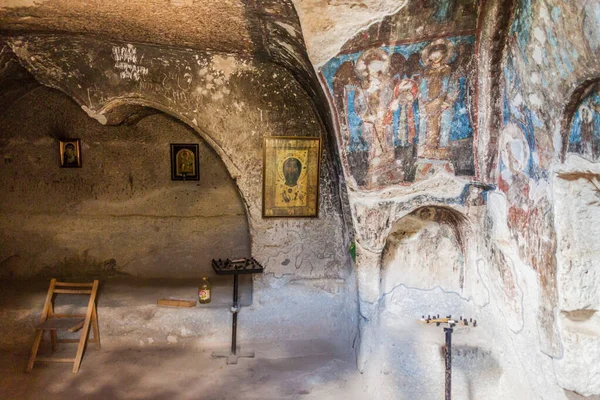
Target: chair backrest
pixel 57 287
pixel 73 288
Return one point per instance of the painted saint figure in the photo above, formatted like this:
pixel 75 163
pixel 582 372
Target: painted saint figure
pixel 584 137
pixel 70 156
pixel 291 193
pixel 291 171
pixel 403 108
pixel 185 162
pixel 372 100
pixel 438 96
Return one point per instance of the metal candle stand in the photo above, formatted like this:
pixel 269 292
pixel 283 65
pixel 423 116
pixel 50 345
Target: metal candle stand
pixel 448 331
pixel 235 268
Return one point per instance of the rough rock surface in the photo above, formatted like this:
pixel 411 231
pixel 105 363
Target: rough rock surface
pixel 120 213
pixel 462 128
pixel 231 102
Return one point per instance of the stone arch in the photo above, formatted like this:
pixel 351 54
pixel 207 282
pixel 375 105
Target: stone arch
pixel 119 110
pixel 119 214
pixel 578 112
pixel 122 109
pixel 575 192
pixel 247 99
pixel 252 99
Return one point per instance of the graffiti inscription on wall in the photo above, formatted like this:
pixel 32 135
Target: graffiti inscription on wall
pixel 584 132
pixel 127 62
pixel 404 109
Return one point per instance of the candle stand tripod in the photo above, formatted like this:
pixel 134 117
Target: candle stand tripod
pixel 235 268
pixel 449 325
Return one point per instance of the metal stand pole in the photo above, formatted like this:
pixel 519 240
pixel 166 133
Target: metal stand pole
pixel 234 310
pixel 235 352
pixel 448 332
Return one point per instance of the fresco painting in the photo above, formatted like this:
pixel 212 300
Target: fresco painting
pixel 439 18
pixel 591 26
pixel 405 110
pixel 584 133
pixel 526 153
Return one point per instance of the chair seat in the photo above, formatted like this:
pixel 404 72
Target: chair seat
pixel 61 324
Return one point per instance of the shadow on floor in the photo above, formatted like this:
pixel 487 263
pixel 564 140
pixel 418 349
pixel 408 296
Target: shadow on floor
pixel 178 373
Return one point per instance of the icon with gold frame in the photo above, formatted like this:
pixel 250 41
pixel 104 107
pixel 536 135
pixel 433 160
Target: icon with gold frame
pixel 185 162
pixel 70 153
pixel 291 169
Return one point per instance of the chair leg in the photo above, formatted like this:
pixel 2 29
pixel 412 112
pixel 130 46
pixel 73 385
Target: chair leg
pixel 34 349
pixel 85 331
pixel 96 328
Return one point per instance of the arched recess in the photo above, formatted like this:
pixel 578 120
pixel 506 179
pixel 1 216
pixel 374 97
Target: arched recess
pixel 231 101
pixel 122 109
pixel 580 127
pixel 576 187
pixel 426 249
pixel 120 214
pixel 118 111
pixel 424 270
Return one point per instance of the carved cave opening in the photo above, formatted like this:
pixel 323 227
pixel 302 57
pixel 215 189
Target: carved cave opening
pixel 577 196
pixel 424 267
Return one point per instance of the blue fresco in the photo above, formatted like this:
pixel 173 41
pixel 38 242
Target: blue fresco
pixel 444 10
pixel 519 114
pixel 461 127
pixel 401 103
pixel 591 26
pixel 521 26
pixel 584 135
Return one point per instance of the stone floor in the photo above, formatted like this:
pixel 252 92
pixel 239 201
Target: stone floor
pixel 152 352
pixel 178 373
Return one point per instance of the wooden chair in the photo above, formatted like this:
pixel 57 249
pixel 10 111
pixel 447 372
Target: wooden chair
pixel 67 322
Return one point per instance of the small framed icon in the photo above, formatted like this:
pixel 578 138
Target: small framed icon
pixel 185 162
pixel 70 153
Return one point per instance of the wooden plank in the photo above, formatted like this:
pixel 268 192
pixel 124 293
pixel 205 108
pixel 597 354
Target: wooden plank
pixel 48 302
pixel 69 284
pixel 34 350
pixel 61 324
pixel 68 315
pixel 86 328
pixel 176 303
pixel 96 328
pixel 73 291
pixel 50 359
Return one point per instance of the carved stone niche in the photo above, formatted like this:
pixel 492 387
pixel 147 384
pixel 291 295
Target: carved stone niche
pixel 426 249
pixel 425 269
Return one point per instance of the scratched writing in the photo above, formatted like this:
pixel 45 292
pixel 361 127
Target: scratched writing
pixel 127 62
pixel 125 53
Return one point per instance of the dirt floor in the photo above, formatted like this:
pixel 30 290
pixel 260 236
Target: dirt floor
pixel 151 352
pixel 177 373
